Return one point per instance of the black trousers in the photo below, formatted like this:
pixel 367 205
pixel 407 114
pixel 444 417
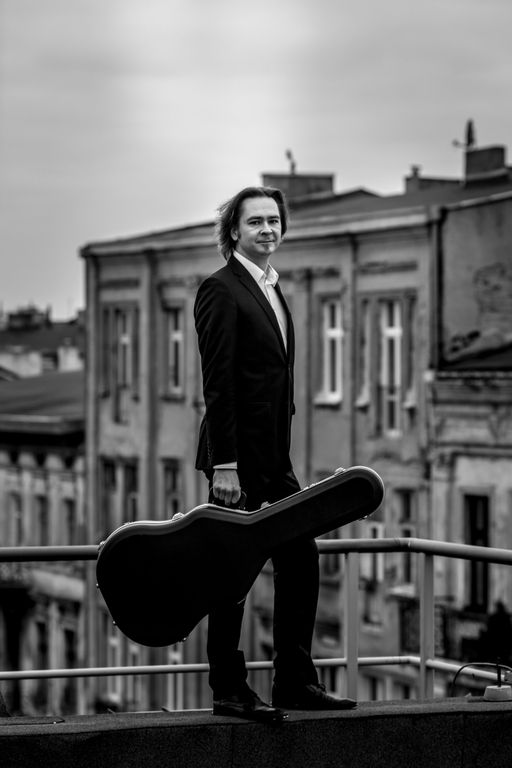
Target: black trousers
pixel 296 584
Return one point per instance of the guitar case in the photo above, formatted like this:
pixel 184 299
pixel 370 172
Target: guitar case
pixel 160 578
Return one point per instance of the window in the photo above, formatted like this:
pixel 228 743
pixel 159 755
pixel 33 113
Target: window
pixel 174 353
pixel 131 492
pixel 363 368
pixel 69 693
pixel 70 521
pixel 120 348
pixel 175 680
pixel 124 348
pixel 331 678
pixel 42 520
pixel 406 499
pixel 390 377
pixel 386 364
pixel 49 361
pixel 410 352
pixel 476 513
pixel 330 561
pixel 372 574
pixel 108 491
pixel 332 351
pixel 16 518
pixel 134 682
pixel 372 563
pixel 41 662
pixel 375 688
pixel 113 660
pixel 173 492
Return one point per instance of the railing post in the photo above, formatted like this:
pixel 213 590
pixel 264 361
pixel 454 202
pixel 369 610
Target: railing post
pixel 351 629
pixel 427 625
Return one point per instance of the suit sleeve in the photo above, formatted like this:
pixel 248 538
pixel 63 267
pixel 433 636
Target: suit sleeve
pixel 215 315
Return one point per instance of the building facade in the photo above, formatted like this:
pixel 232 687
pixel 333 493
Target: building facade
pixel 31 343
pixel 42 491
pixel 378 290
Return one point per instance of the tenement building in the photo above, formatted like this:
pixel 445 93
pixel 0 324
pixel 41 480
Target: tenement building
pixel 42 616
pixel 403 313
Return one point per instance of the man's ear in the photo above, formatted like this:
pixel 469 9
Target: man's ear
pixel 234 234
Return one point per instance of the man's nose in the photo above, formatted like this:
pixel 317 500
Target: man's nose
pixel 265 227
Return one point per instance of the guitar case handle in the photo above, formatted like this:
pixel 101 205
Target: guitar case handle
pixel 240 504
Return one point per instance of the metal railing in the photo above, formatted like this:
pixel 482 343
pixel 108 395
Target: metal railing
pixel 351 549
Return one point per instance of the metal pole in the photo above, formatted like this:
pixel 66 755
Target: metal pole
pixel 352 621
pixel 427 626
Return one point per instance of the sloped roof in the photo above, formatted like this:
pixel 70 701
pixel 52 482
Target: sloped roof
pixel 442 195
pixel 492 360
pixel 359 202
pixel 57 394
pixel 48 338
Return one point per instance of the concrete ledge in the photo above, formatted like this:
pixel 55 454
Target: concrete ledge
pixel 456 733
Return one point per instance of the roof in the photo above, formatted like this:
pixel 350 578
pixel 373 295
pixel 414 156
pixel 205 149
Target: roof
pixel 7 375
pixel 359 202
pixel 56 395
pixel 489 360
pixel 48 338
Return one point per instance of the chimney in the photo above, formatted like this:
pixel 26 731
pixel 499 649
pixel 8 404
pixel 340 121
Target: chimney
pixel 486 164
pixel 415 182
pixel 301 185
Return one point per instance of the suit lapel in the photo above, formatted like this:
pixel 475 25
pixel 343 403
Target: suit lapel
pixel 248 282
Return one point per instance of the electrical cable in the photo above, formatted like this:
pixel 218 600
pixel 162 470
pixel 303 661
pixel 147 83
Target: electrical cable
pixel 477 664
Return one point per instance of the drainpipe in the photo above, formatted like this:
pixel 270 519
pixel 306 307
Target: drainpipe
pixel 308 425
pixel 90 687
pixel 353 349
pixel 436 287
pixel 149 305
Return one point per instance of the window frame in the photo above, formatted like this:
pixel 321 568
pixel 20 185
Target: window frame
pixel 176 497
pixel 390 366
pixel 120 347
pixel 332 346
pixel 175 337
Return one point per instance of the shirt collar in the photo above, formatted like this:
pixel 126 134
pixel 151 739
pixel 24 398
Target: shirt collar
pixel 271 276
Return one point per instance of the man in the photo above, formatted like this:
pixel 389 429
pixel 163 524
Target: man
pixel 246 342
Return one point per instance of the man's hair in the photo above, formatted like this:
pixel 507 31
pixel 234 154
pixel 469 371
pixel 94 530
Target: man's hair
pixel 229 215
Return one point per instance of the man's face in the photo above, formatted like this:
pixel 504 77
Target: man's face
pixel 258 232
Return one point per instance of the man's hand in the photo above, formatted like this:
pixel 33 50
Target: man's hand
pixel 226 486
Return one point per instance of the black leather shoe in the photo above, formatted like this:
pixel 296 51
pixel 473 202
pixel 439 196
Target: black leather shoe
pixel 249 706
pixel 308 697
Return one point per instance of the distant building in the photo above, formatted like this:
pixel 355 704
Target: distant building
pixel 31 343
pixel 42 616
pixel 388 294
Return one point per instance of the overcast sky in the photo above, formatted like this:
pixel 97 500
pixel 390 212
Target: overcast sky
pixel 124 116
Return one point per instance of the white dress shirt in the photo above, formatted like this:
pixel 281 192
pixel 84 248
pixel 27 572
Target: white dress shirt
pixel 266 282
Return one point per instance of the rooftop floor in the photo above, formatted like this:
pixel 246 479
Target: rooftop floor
pixel 456 733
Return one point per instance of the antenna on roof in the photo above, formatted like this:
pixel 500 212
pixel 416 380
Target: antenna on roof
pixel 293 164
pixel 470 142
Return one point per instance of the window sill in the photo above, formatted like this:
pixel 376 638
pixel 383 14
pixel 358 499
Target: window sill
pixel 403 590
pixel 330 401
pixel 372 627
pixel 172 397
pixel 362 402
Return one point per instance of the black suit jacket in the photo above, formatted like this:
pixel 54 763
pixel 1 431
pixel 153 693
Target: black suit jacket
pixel 247 377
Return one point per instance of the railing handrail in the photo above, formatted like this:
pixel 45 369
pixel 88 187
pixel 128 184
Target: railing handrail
pixel 48 554
pixel 424 546
pixel 351 548
pixel 339 546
